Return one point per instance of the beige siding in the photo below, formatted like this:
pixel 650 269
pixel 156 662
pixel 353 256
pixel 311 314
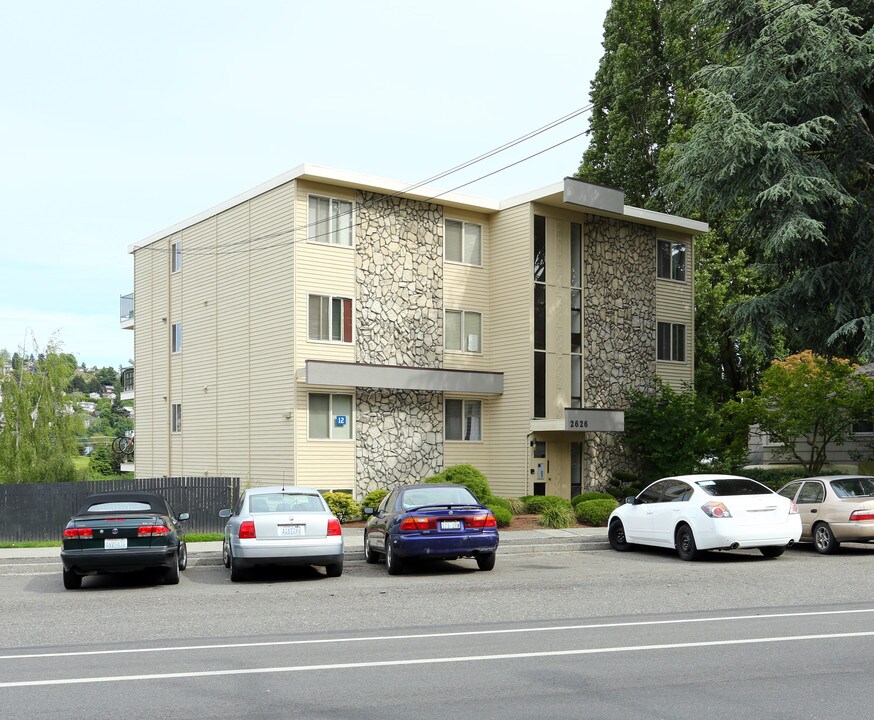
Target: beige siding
pixel 675 304
pixel 510 333
pixel 323 464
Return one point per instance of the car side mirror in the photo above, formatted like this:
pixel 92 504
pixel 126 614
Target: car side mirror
pixel 631 500
pixel 368 511
pixel 225 513
pixel 184 516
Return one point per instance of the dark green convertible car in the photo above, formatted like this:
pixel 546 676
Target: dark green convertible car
pixel 123 532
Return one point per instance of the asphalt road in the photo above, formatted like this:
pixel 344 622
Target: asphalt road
pixel 586 634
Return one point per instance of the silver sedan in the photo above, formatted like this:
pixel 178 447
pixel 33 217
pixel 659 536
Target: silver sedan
pixel 281 526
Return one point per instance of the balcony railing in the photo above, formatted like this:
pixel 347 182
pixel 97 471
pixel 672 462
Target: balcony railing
pixel 127 310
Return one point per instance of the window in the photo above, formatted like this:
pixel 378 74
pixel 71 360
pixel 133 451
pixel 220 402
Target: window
pixel 330 318
pixel 176 337
pixel 175 257
pixel 330 221
pixel 863 428
pixel 330 416
pixel 176 418
pixel 539 316
pixel 671 260
pixel 462 242
pixel 463 331
pixel 671 342
pixel 811 492
pixel 576 283
pixel 464 420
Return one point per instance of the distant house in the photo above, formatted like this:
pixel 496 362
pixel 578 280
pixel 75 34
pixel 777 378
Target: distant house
pixel 88 407
pixel 344 331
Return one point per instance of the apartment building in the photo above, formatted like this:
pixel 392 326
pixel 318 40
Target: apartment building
pixel 342 331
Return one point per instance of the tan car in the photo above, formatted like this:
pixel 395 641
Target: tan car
pixel 833 509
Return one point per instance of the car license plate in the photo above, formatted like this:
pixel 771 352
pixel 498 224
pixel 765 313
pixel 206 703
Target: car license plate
pixel 290 530
pixel 115 544
pixel 450 524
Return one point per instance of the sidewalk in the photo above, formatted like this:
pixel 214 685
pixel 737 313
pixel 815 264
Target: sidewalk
pixel 512 541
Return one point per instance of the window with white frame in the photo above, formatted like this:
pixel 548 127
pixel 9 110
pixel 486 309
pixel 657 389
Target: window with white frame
pixel 672 341
pixel 176 418
pixel 462 242
pixel 330 416
pixel 330 221
pixel 176 337
pixel 863 428
pixel 176 256
pixel 464 420
pixel 330 318
pixel 464 331
pixel 671 260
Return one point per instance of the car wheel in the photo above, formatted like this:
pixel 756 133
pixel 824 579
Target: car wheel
pixel 183 556
pixel 171 574
pixel 685 541
pixel 226 554
pixel 486 561
pixel 370 555
pixel 616 536
pixel 393 563
pixel 72 580
pixel 334 569
pixel 237 573
pixel 824 539
pixel 772 551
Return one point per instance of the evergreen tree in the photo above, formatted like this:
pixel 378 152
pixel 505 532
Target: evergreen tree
pixel 784 141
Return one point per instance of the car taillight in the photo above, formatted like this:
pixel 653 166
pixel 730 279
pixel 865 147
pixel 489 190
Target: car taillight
pixel 715 510
pixel 247 530
pixel 152 530
pixel 866 514
pixel 75 533
pixel 481 521
pixel 333 527
pixel 793 508
pixel 413 523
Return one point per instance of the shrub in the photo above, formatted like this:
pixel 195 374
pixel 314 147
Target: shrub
pixel 536 504
pixel 468 476
pixel 373 499
pixel 582 497
pixel 502 514
pixel 343 505
pixel 772 477
pixel 517 505
pixel 499 502
pixel 595 512
pixel 557 516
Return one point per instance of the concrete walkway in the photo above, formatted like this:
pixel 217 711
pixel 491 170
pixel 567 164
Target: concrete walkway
pixel 512 541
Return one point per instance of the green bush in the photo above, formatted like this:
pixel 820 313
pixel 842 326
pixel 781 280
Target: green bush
pixel 343 505
pixel 466 475
pixel 373 499
pixel 772 477
pixel 502 514
pixel 500 502
pixel 517 505
pixel 536 504
pixel 582 497
pixel 595 512
pixel 557 516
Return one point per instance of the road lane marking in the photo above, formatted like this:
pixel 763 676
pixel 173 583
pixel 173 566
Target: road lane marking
pixel 423 636
pixel 427 661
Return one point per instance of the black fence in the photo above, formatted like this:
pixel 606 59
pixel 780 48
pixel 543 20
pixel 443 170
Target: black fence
pixel 39 511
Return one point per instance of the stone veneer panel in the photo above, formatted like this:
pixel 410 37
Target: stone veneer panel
pixel 398 321
pixel 619 325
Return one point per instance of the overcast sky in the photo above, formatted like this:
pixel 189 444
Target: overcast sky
pixel 120 118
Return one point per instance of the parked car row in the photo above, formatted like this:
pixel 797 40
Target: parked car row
pixel 130 531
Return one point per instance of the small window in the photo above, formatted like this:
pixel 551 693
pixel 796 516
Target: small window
pixel 462 242
pixel 464 420
pixel 176 337
pixel 330 318
pixel 652 494
pixel 863 428
pixel 176 418
pixel 330 416
pixel 789 491
pixel 672 342
pixel 671 260
pixel 330 221
pixel 120 506
pixel 176 257
pixel 463 331
pixel 811 492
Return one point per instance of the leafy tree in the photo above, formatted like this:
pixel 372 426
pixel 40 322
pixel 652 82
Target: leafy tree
pixel 103 462
pixel 808 402
pixel 784 140
pixel 38 437
pixel 107 376
pixel 641 93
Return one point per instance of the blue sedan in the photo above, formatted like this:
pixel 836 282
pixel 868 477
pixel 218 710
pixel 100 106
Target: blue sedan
pixel 430 521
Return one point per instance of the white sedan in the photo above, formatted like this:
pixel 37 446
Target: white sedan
pixel 693 513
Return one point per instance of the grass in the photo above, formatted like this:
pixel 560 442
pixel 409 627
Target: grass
pixel 191 537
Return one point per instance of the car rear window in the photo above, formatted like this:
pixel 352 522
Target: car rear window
pixel 853 487
pixel 126 506
pixel 732 486
pixel 417 497
pixel 285 502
